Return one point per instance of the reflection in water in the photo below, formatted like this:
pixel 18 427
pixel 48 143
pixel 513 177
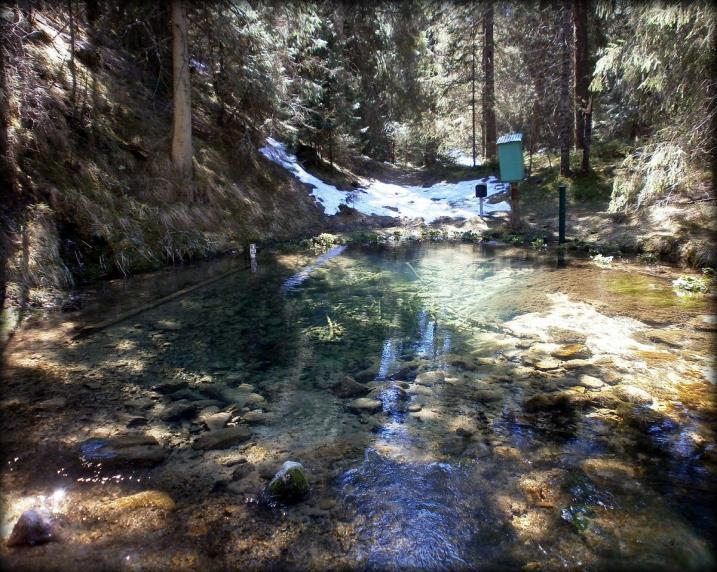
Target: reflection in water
pixel 517 414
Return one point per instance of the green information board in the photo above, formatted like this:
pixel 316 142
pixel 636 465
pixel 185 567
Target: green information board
pixel 510 157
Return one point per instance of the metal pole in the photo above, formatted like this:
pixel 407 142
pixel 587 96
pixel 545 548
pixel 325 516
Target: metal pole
pixel 481 206
pixel 561 215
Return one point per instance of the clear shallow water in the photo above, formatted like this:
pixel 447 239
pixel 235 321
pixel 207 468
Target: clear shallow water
pixel 463 466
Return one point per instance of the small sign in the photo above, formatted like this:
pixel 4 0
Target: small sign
pixel 252 251
pixel 481 191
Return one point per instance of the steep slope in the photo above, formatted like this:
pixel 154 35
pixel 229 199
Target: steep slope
pixel 93 158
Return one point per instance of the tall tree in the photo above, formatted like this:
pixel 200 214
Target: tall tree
pixel 182 104
pixel 473 94
pixel 566 116
pixel 583 74
pixel 489 128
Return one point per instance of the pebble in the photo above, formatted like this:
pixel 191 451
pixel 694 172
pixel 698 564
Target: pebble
pixel 414 407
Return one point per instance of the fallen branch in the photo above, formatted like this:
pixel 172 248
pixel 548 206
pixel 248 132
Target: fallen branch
pixel 88 330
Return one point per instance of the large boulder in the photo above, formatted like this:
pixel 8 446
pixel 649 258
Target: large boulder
pixel 289 483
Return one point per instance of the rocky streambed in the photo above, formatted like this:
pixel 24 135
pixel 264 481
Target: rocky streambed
pixel 448 405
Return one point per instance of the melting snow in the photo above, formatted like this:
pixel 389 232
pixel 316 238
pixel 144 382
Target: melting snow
pixel 453 200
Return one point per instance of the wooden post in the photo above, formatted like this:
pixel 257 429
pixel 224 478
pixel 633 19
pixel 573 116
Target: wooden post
pixel 514 206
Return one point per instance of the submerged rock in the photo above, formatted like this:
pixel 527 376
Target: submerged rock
pixel 591 382
pixel 170 386
pixel 632 394
pixel 430 377
pixel 217 420
pixel 576 364
pixel 561 401
pixel 705 323
pixel 52 404
pixel 179 410
pixel 35 526
pixel 487 395
pixel 243 470
pixel 255 416
pixel 453 446
pixel 572 351
pixel 349 387
pixel 290 483
pixel 673 338
pixel 145 499
pixel 134 449
pixel 607 471
pixel 364 405
pixel 547 364
pixel 222 438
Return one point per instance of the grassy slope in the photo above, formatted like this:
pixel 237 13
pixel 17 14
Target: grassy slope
pixel 104 202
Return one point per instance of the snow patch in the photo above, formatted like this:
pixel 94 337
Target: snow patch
pixel 454 200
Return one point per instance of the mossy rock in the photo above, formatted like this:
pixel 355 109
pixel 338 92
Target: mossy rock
pixel 290 483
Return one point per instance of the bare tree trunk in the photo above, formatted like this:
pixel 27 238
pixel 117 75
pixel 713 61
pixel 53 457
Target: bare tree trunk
pixel 587 136
pixel 489 127
pixel 566 116
pixel 581 69
pixel 583 73
pixel 473 96
pixel 182 89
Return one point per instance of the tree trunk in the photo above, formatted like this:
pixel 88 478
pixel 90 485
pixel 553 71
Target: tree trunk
pixel 587 136
pixel 566 116
pixel 537 117
pixel 473 97
pixel 9 184
pixel 73 66
pixel 489 127
pixel 581 69
pixel 182 90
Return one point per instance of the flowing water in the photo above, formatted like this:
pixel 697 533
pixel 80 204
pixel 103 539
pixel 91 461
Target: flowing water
pixel 521 414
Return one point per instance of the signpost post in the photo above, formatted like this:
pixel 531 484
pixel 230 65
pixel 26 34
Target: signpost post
pixel 561 214
pixel 481 193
